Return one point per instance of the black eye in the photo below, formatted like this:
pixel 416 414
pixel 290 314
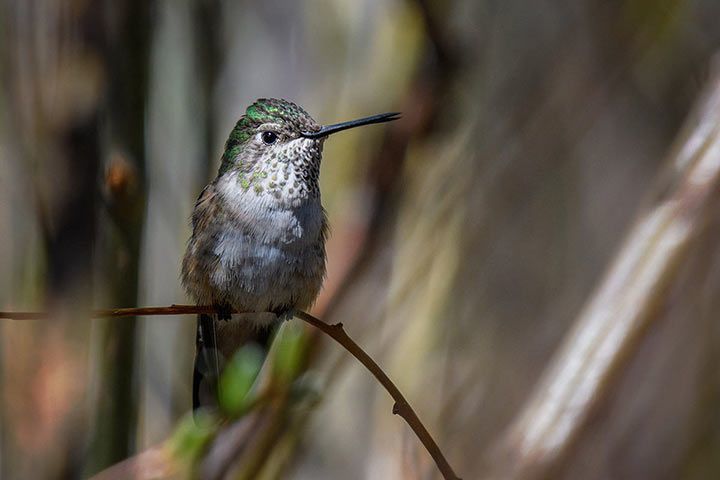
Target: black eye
pixel 269 137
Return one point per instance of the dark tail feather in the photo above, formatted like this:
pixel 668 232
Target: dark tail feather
pixel 216 341
pixel 207 363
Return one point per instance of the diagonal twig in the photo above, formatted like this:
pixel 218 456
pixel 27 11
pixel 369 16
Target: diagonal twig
pixel 401 407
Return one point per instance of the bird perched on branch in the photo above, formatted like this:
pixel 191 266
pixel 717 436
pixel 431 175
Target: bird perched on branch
pixel 258 233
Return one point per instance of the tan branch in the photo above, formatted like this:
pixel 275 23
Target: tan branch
pixel 336 332
pixel 626 303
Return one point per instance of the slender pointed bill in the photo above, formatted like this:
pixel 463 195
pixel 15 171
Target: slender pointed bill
pixel 339 127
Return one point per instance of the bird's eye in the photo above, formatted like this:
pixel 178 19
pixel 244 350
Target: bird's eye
pixel 269 137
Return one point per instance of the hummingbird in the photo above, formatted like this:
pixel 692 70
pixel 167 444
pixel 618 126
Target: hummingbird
pixel 258 234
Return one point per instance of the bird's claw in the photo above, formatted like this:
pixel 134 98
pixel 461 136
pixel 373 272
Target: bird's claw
pixel 224 311
pixel 286 315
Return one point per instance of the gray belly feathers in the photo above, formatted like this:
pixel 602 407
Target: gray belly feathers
pixel 258 259
pixel 278 268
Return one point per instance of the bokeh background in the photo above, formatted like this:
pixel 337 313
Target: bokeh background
pixel 466 238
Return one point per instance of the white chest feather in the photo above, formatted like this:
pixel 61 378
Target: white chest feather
pixel 272 253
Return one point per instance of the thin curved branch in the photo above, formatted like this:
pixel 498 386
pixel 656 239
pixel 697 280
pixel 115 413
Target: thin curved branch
pixel 401 407
pixel 120 312
pixel 335 331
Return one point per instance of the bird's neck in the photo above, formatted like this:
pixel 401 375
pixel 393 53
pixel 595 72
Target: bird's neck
pixel 275 188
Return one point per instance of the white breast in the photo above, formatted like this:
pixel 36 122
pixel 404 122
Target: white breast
pixel 269 256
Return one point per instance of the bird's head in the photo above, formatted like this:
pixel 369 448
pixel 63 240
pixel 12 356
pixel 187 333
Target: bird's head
pixel 276 147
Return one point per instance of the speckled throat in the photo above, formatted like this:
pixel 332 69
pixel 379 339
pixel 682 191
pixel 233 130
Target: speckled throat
pixel 290 171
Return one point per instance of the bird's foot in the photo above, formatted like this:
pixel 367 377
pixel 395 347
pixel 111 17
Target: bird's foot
pixel 286 315
pixel 224 311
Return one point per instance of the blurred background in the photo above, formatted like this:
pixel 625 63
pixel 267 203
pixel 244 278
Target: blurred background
pixel 466 238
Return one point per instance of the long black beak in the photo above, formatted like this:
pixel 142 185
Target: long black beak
pixel 339 127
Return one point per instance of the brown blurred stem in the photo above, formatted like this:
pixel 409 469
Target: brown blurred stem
pixel 125 29
pixel 336 332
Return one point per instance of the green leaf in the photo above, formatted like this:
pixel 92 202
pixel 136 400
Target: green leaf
pixel 238 378
pixel 191 435
pixel 290 352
